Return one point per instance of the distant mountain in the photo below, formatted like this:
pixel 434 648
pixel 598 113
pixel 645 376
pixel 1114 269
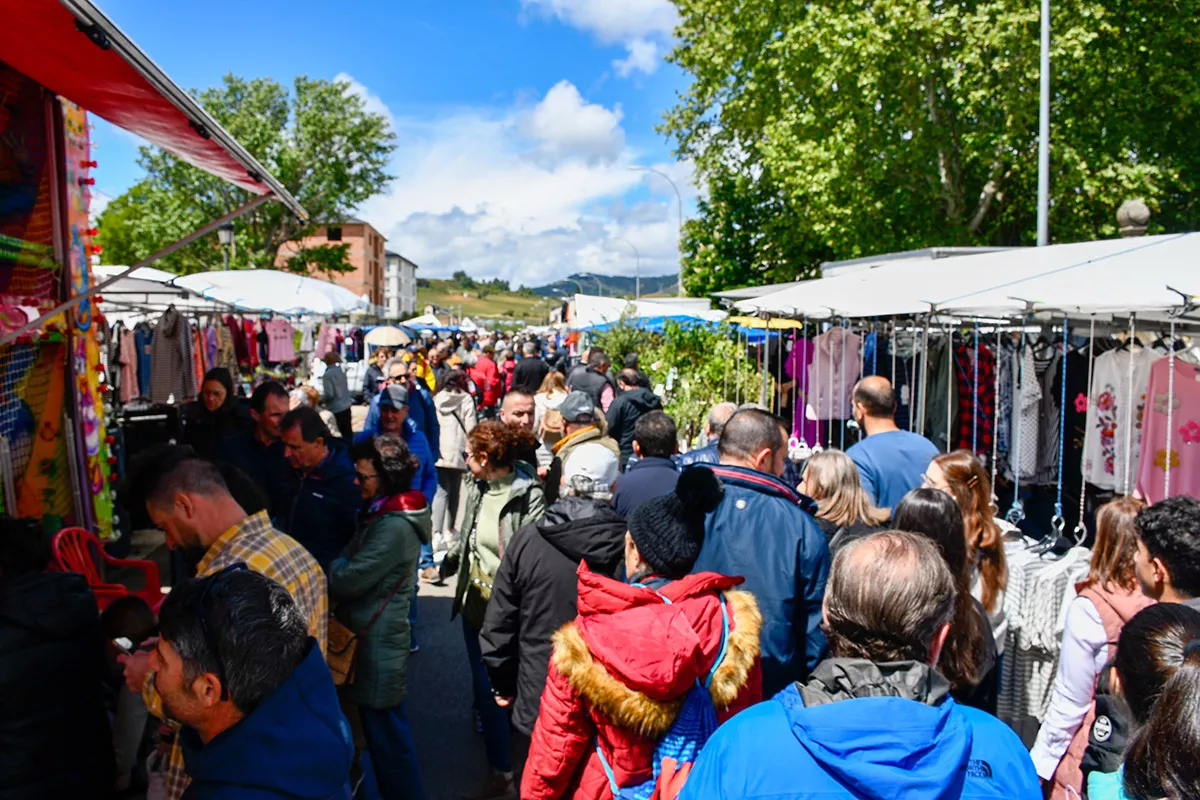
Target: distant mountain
pixel 609 285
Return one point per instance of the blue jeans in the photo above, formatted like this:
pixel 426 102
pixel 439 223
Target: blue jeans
pixel 494 718
pixel 393 754
pixel 425 558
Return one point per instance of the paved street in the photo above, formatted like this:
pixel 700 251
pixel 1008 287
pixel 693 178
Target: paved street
pixel 439 702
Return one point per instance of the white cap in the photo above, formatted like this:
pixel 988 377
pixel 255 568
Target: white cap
pixel 594 463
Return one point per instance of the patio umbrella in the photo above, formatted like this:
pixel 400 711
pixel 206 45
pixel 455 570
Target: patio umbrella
pixel 386 336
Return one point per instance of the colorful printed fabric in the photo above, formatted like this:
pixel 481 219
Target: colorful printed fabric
pixel 1178 448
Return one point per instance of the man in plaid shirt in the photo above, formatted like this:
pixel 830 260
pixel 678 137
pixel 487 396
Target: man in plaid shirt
pixel 188 499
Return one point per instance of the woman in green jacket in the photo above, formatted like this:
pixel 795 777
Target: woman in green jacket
pixel 372 585
pixel 504 497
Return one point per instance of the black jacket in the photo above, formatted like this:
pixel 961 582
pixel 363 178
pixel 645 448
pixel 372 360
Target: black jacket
pixel 534 595
pixel 205 430
pixel 266 464
pixel 645 480
pixel 320 509
pixel 529 374
pixel 55 741
pixel 371 380
pixel 624 413
pixel 591 383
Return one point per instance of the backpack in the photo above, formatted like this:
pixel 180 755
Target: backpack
pixel 679 748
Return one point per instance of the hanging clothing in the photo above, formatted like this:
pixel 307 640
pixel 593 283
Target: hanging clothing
pixel 1183 461
pixel 199 367
pixel 171 375
pixel 308 338
pixel 326 340
pixel 237 335
pixel 796 366
pixel 1106 449
pixel 941 400
pixel 226 355
pixel 250 331
pixel 837 363
pixel 143 340
pixel 1049 418
pixel 280 346
pixel 976 398
pixel 1027 396
pixel 905 346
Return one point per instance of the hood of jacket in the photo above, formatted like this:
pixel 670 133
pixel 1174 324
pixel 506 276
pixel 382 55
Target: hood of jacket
pixel 296 743
pixel 642 688
pixel 55 604
pixel 899 738
pixel 411 505
pixel 449 403
pixel 585 530
pixel 763 483
pixel 169 324
pixel 642 399
pixel 337 465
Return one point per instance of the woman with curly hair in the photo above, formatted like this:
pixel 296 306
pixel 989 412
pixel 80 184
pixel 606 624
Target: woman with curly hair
pixel 960 475
pixel 504 497
pixel 373 584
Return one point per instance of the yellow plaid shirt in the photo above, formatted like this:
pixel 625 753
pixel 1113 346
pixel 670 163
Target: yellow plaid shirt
pixel 281 558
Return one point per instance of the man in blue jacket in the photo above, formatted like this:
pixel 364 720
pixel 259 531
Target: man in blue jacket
pixel 763 532
pixel 421 409
pixel 235 664
pixel 322 498
pixel 717 417
pixel 876 720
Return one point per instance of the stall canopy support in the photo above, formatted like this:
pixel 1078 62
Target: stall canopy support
pixel 163 253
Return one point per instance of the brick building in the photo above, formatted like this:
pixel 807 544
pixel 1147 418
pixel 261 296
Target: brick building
pixel 366 255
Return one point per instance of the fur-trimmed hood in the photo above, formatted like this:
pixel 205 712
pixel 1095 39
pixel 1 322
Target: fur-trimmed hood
pixel 633 657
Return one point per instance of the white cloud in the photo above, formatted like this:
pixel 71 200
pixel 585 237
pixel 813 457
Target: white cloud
pixel 641 25
pixel 529 193
pixel 373 103
pixel 643 57
pixel 567 125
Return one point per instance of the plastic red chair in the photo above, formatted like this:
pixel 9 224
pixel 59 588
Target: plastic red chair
pixel 75 550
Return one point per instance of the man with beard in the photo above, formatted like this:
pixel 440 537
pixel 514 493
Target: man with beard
pixel 189 501
pixel 236 666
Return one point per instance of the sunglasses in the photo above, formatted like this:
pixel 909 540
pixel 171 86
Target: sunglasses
pixel 210 640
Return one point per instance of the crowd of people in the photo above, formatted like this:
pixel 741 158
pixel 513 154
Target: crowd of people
pixel 637 621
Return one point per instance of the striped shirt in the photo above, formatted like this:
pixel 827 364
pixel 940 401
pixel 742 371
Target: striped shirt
pixel 255 543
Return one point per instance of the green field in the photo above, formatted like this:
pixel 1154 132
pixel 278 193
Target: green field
pixel 495 305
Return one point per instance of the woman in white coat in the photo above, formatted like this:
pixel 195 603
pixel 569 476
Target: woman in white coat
pixel 456 416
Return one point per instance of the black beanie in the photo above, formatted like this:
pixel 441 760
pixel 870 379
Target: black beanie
pixel 669 530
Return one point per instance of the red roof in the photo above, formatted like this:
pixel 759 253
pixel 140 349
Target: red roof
pixel 75 51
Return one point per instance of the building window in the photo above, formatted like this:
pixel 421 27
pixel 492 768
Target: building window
pixel 334 234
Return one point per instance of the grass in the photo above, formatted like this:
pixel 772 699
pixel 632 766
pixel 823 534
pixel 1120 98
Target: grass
pixel 497 305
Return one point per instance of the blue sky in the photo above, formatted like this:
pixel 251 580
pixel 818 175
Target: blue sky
pixel 517 120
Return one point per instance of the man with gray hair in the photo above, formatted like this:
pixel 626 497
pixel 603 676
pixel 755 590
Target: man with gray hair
pixel 236 666
pixel 876 719
pixel 534 593
pixel 717 417
pixel 530 370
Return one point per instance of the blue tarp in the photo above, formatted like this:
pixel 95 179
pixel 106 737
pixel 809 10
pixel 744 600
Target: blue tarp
pixel 653 324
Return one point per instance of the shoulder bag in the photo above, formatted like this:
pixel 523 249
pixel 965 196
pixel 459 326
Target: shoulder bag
pixel 343 642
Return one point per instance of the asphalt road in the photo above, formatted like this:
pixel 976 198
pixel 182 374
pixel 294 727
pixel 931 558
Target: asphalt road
pixel 453 763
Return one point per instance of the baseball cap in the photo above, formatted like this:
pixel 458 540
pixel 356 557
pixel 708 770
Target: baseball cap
pixel 393 396
pixel 577 407
pixel 591 468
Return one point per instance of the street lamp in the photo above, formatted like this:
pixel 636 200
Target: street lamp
pixel 637 287
pixel 679 200
pixel 225 237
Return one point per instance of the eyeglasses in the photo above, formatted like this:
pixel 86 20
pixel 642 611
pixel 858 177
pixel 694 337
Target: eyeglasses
pixel 466 456
pixel 210 640
pixel 364 478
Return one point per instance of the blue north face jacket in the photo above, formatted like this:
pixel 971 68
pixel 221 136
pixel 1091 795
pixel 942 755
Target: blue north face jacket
pixel 901 737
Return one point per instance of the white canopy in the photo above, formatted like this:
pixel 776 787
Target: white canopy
pixel 423 321
pixel 273 290
pixel 588 310
pixel 1109 276
pixel 147 290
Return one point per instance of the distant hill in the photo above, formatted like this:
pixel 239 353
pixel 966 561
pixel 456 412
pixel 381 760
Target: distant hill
pixel 609 285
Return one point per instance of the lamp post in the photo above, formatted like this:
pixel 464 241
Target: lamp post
pixel 679 201
pixel 225 237
pixel 1043 194
pixel 637 286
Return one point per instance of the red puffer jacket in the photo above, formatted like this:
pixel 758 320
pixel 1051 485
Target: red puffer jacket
pixel 486 375
pixel 619 674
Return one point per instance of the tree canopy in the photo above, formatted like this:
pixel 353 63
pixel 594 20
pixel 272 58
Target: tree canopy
pixel 835 129
pixel 318 139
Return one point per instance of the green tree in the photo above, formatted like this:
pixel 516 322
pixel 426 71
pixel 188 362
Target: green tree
pixel 901 124
pixel 318 139
pixel 463 280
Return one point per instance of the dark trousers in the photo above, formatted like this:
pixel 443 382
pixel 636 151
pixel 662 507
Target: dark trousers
pixel 494 718
pixel 344 426
pixel 393 753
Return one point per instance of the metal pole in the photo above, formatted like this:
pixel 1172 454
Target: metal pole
pixel 679 207
pixel 1043 208
pixel 637 290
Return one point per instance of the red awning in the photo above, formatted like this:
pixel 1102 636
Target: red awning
pixel 72 49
